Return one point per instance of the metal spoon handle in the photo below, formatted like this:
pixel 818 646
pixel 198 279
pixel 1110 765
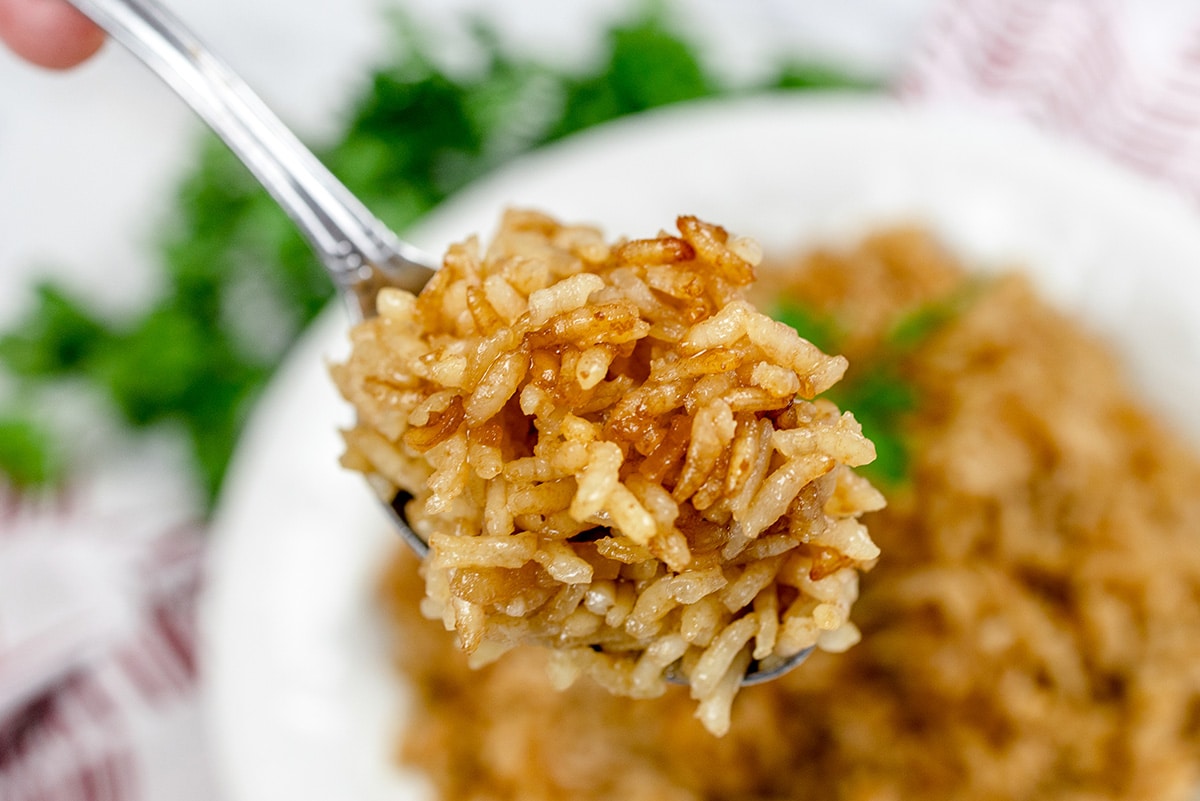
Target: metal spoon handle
pixel 347 238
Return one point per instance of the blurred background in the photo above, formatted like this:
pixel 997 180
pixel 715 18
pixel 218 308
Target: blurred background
pixel 148 289
pixel 106 175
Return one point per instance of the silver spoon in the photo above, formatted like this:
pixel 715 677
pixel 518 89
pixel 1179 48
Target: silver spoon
pixel 360 253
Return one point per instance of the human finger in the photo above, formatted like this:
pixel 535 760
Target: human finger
pixel 49 33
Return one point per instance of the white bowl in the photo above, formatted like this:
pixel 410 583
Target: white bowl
pixel 302 701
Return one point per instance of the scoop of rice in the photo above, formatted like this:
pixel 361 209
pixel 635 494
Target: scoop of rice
pixel 612 453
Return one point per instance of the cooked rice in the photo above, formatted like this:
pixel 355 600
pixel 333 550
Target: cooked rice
pixel 1032 631
pixel 601 438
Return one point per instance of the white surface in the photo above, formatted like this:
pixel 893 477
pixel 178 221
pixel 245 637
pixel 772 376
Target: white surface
pixel 302 704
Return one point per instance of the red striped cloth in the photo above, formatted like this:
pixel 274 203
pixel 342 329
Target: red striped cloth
pixel 98 684
pixel 1122 76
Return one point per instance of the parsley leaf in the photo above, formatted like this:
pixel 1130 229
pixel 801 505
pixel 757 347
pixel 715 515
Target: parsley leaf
pixel 876 389
pixel 28 455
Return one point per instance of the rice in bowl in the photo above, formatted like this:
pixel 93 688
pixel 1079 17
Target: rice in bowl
pixel 1031 631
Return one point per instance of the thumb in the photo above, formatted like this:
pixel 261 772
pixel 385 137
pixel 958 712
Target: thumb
pixel 49 33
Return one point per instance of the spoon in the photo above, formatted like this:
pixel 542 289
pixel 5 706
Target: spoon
pixel 360 254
